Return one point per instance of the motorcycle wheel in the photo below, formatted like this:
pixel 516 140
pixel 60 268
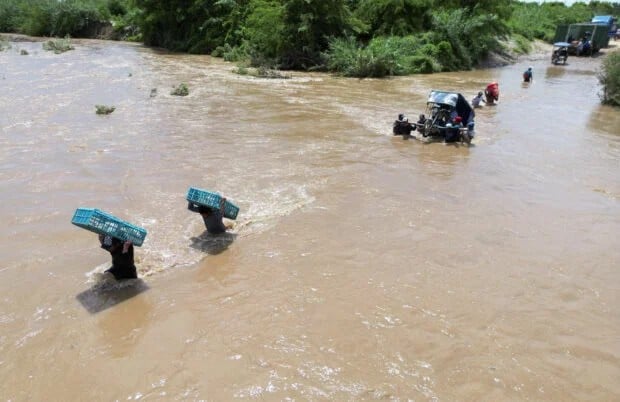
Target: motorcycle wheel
pixel 428 126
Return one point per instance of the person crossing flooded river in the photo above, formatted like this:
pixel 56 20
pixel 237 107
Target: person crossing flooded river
pixel 122 257
pixel 213 218
pixel 491 93
pixel 528 75
pixel 475 102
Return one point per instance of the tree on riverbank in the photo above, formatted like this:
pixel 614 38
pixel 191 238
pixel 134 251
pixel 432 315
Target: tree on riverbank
pixel 350 37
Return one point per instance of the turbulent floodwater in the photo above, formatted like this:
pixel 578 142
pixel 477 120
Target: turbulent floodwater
pixel 361 267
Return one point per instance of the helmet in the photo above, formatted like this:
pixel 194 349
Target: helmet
pixel 401 116
pixel 480 93
pixel 458 119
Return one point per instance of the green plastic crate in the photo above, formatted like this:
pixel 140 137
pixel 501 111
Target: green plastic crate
pixel 212 200
pixel 103 223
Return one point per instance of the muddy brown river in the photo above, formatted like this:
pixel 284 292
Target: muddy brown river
pixel 361 266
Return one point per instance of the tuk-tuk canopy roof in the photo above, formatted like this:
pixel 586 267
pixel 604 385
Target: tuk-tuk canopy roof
pixel 454 100
pixel 446 98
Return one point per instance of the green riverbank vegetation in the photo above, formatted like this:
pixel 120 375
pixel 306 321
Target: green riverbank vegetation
pixel 58 45
pixel 181 90
pixel 357 38
pixel 609 77
pixel 104 109
pixel 76 18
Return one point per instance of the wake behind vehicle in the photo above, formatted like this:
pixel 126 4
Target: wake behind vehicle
pixel 560 52
pixel 450 119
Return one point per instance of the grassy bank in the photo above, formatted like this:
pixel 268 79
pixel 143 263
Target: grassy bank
pixel 609 77
pixel 75 18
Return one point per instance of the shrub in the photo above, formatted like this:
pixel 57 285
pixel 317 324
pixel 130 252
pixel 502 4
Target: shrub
pixel 390 56
pixel 522 44
pixel 229 53
pixel 4 45
pixel 59 18
pixel 347 58
pixel 241 70
pixel 103 109
pixel 609 77
pixel 264 28
pixel 126 25
pixel 75 17
pixel 471 36
pixel 423 64
pixel 58 45
pixel 181 90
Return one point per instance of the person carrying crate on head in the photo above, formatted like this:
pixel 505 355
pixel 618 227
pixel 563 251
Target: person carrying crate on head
pixel 213 218
pixel 122 257
pixel 115 236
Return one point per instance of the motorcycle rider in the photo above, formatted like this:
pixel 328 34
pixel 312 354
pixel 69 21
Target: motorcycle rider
pixel 402 126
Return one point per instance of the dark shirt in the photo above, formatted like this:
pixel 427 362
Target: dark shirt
pixel 212 218
pixel 122 263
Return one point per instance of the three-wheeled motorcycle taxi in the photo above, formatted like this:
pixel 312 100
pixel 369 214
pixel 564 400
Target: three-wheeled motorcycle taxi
pixel 449 117
pixel 560 52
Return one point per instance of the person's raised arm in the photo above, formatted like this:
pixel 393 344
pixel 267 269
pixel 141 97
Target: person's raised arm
pixel 192 207
pixel 126 246
pixel 222 205
pixel 106 242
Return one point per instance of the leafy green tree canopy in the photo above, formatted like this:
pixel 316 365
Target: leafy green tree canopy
pixel 394 17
